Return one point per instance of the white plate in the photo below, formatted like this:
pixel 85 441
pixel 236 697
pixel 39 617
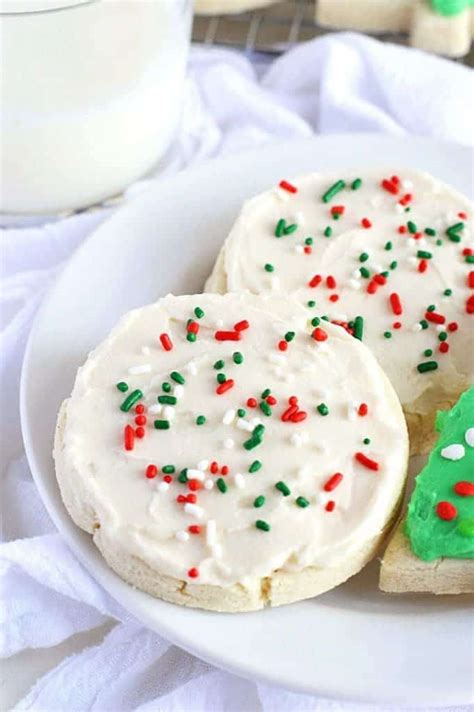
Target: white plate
pixel 352 642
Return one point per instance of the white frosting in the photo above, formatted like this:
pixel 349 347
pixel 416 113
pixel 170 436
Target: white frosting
pixel 141 517
pixel 252 245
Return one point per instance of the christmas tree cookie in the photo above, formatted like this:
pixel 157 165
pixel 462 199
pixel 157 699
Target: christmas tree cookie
pixel 433 549
pixel 232 452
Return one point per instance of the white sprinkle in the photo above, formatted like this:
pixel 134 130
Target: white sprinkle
pixel 229 416
pixel 453 452
pixel 469 437
pixel 203 464
pixel 278 371
pixel 276 358
pixel 239 480
pixel 416 327
pixel 178 390
pixel 244 425
pixel 182 535
pixel 354 284
pixel 440 327
pixel 217 551
pixel 196 475
pixel 321 498
pixel 146 350
pixel 163 487
pixel 191 368
pixel 209 484
pixel 399 208
pixel 299 249
pixel 136 370
pixel 220 323
pixel 296 440
pixel 413 261
pixel 377 267
pixel 255 421
pixel 194 509
pixel 421 242
pixel 407 184
pixel 275 283
pixel 211 532
pixel 412 242
pixel 229 443
pixel 356 274
pixel 155 408
pixel 169 412
pixel 290 377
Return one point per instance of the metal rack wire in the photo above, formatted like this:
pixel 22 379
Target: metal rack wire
pixel 273 30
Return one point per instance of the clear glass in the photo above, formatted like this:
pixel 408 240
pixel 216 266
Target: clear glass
pixel 91 97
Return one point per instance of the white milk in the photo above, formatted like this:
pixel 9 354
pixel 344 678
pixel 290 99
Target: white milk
pixel 91 96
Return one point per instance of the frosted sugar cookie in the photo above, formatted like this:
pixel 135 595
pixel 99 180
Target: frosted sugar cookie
pixel 227 453
pixel 443 26
pixel 229 7
pixel 390 257
pixel 433 550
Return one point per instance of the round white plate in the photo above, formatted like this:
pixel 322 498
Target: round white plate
pixel 352 642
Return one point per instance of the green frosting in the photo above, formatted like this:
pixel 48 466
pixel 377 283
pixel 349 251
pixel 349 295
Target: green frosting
pixel 450 7
pixel 430 535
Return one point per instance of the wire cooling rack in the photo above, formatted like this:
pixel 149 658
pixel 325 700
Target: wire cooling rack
pixel 274 29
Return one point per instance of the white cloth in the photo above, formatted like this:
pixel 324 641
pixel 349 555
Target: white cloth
pixel 339 83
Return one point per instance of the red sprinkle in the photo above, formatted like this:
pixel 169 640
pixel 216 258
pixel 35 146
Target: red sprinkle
pixel 453 326
pixel 181 499
pixel 395 180
pixel 214 468
pixel 402 229
pixel 422 266
pixel 470 304
pixel 283 345
pixel 372 287
pixel 315 281
pixel 140 432
pixel 288 186
pixel 224 470
pixel 140 420
pixel 227 335
pixel 464 488
pixel 166 342
pixel 365 222
pixel 334 298
pixel 363 409
pixel 390 186
pixel 139 409
pixel 299 416
pixel 319 334
pixel 151 471
pixel 470 279
pixel 271 400
pixel 241 325
pixel 380 279
pixel 467 252
pixel 396 304
pixel 193 327
pixel 462 215
pixel 168 479
pixel 338 210
pixel 194 529
pixel 330 506
pixel 252 402
pixel 333 482
pixel 444 347
pixel 434 317
pixel 193 573
pixel 128 437
pixel 366 461
pixel 289 413
pixel 331 282
pixel 407 198
pixel 308 249
pixel 397 324
pixel 191 498
pixel 293 400
pixel 446 511
pixel 194 485
pixel 224 387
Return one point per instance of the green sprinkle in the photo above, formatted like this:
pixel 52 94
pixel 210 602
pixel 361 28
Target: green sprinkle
pixel 328 231
pixel 309 241
pixel 407 210
pixel 168 469
pixel 261 524
pixel 255 466
pixel 219 364
pixel 200 420
pixel 359 327
pixel 221 485
pixel 336 216
pixel 265 408
pixel 166 387
pixel 241 413
pixel 325 317
pixel 385 274
pixel 424 324
pixel 269 268
pixel 131 400
pixel 122 386
pixel 162 424
pixel 177 377
pixel 363 257
pixel 258 431
pixel 442 336
pixel 183 476
pixel 221 378
pixel 198 312
pixel 469 259
pixel 430 231
pixel 280 226
pixel 387 334
pixel 237 357
pixel 169 400
pixel 412 228
pixel 423 254
pixel 356 184
pixel 252 442
pixel 364 272
pixel 333 190
pixel 315 321
pixel 453 232
pixel 427 366
pixel 366 441
pixel 311 303
pixel 466 527
pixel 302 502
pixel 322 409
pixel 266 393
pixel 388 245
pixel 259 502
pixel 283 488
pixel 439 242
pixel 289 336
pixel 191 337
pixel 394 264
pixel 428 353
pixel 289 229
pixel 431 307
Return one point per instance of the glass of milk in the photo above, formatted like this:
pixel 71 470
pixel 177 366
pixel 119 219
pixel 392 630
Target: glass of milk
pixel 91 95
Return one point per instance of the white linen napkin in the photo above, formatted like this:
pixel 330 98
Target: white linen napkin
pixel 340 83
